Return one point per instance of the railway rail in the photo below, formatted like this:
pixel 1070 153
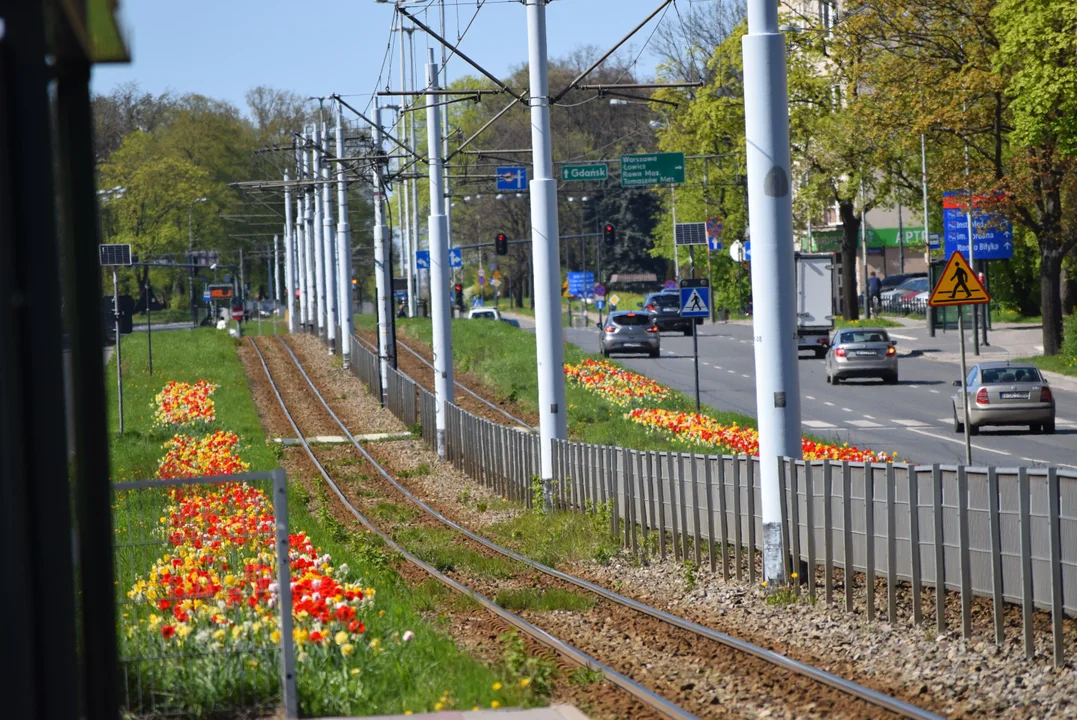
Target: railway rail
pixel 748 651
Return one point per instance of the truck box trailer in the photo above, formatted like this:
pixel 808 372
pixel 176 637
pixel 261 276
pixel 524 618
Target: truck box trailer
pixel 817 292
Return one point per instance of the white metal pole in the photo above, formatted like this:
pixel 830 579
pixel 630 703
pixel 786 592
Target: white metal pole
pixel 972 254
pixel 329 237
pixel 440 314
pixel 383 277
pixel 319 243
pixel 545 252
pixel 309 244
pixel 276 271
pixel 927 228
pixel 301 261
pixel 406 126
pixel 445 134
pixel 864 252
pixel 344 250
pixel 766 124
pixel 412 265
pixel 289 256
pixel 676 253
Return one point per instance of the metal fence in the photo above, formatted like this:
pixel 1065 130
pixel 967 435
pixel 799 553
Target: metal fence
pixel 183 650
pixel 1006 535
pixel 366 366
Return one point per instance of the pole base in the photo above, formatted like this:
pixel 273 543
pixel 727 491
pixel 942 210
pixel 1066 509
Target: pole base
pixel 773 560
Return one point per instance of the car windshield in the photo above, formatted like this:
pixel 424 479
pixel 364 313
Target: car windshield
pixel 1006 375
pixel 630 319
pixel 863 336
pixel 664 300
pixel 483 314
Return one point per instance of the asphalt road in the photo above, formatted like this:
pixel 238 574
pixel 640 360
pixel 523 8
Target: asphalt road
pixel 913 418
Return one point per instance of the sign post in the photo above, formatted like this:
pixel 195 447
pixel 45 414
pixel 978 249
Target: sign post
pixel 714 244
pixel 695 302
pixel 958 277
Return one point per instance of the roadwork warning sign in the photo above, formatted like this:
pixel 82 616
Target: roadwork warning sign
pixel 958 285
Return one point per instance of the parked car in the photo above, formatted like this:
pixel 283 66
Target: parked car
pixel 481 313
pixel 1000 393
pixel 626 331
pixel 664 310
pixel 892 281
pixel 859 353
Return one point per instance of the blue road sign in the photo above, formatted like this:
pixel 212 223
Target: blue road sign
pixel 600 304
pixel 714 244
pixel 714 227
pixel 456 258
pixel 512 178
pixel 748 251
pixel 695 301
pixel 992 235
pixel 934 241
pixel 422 259
pixel 581 284
pixel 670 285
pixel 205 295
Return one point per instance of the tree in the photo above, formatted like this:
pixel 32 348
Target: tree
pixel 276 113
pixel 123 111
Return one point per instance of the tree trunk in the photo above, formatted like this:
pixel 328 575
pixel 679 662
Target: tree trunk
pixel 850 227
pixel 1051 300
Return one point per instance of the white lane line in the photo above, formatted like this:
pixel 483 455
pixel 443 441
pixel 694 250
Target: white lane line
pixel 912 423
pixel 817 424
pixel 705 363
pixel 731 372
pixel 946 421
pixel 902 337
pixel 809 397
pixel 865 423
pixel 828 404
pixel 717 367
pixel 846 410
pixel 915 387
pixel 1066 423
pixel 870 417
pixel 744 376
pixel 935 391
pixel 955 441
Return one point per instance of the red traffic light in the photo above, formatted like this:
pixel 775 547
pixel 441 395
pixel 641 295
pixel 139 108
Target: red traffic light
pixel 501 244
pixel 609 228
pixel 458 287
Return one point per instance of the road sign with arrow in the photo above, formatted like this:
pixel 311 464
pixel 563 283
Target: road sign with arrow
pixel 992 234
pixel 652 169
pixel 512 178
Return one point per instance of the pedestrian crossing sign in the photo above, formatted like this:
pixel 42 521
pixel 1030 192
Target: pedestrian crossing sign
pixel 958 285
pixel 695 301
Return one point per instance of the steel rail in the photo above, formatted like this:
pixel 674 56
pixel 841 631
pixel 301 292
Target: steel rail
pixel 458 384
pixel 647 697
pixel 895 705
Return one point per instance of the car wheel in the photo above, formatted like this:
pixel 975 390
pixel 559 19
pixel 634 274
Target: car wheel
pixel 1035 428
pixel 835 380
pixel 654 353
pixel 820 353
pixel 959 427
pixel 974 429
pixel 605 353
pixel 688 332
pixel 891 379
pixel 1049 428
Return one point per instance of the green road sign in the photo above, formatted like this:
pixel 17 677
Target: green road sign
pixel 652 169
pixel 585 172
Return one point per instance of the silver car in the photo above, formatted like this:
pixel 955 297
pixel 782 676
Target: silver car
pixel 1001 393
pixel 860 353
pixel 630 332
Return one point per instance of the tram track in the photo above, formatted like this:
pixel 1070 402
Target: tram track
pixel 806 691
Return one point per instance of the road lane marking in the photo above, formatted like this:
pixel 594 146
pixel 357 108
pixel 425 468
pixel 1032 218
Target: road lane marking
pixel 935 391
pixel 912 423
pixel 744 376
pixel 731 372
pixel 915 387
pixel 870 417
pixel 957 442
pixel 902 337
pixel 819 424
pixel 828 404
pixel 945 420
pixel 865 423
pixel 846 410
pixel 809 397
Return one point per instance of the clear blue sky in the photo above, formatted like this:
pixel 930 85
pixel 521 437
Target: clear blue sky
pixel 222 48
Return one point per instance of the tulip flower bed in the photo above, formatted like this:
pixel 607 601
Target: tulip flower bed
pixel 617 385
pixel 706 432
pixel 209 604
pixel 188 457
pixel 182 404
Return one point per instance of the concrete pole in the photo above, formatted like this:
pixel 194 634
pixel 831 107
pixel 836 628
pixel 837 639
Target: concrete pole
pixel 329 237
pixel 276 271
pixel 319 242
pixel 407 187
pixel 440 311
pixel 777 387
pixel 446 132
pixel 301 261
pixel 546 252
pixel 412 264
pixel 308 245
pixel 344 248
pixel 927 228
pixel 289 256
pixel 383 275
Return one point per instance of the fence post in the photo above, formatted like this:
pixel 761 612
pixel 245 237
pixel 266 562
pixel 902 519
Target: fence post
pixel 847 531
pixel 736 517
pixel 940 550
pixel 914 541
pixel 723 523
pixel 963 541
pixel 284 583
pixel 809 521
pixel 869 537
pixel 1027 607
pixel 1057 609
pixel 708 478
pixel 891 545
pixel 996 553
pixel 828 531
pixel 750 483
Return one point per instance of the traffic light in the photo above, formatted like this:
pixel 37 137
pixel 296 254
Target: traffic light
pixel 458 295
pixel 609 234
pixel 501 244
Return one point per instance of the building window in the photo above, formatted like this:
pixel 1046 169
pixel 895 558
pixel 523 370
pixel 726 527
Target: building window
pixel 827 13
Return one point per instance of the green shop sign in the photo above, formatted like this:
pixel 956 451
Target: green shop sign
pixel 830 240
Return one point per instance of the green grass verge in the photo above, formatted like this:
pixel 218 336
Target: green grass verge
pixel 875 322
pixel 1013 316
pixel 182 355
pixel 168 315
pixel 407 676
pixel 559 537
pixel 504 358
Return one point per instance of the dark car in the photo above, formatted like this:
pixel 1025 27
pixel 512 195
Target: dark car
pixel 630 332
pixel 664 309
pixel 891 282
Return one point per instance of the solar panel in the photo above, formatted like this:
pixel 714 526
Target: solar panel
pixel 115 254
pixel 691 233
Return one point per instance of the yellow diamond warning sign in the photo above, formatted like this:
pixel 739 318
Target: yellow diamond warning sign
pixel 958 285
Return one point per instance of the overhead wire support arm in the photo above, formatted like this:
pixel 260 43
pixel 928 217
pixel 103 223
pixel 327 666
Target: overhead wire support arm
pixel 481 130
pixel 476 92
pixel 622 41
pixel 370 122
pixel 472 98
pixel 461 55
pixel 641 86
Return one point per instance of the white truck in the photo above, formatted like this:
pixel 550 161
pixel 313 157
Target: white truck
pixel 817 286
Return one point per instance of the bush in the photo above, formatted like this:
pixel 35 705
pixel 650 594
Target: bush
pixel 1069 336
